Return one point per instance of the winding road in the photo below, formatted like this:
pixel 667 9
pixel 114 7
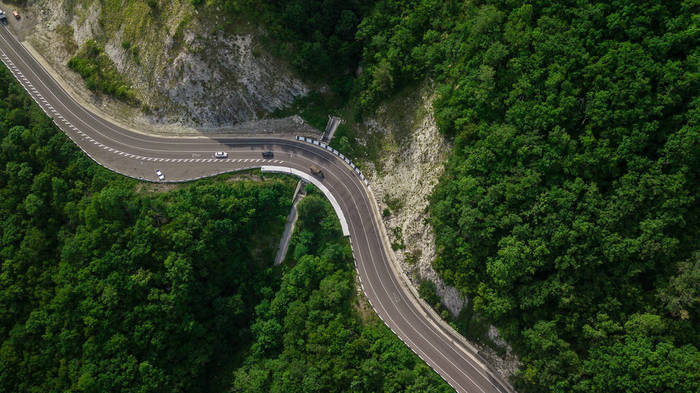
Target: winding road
pixel 139 155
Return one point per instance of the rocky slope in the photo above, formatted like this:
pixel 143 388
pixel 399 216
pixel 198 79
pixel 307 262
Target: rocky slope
pixel 202 79
pixel 411 163
pixel 412 157
pixel 185 68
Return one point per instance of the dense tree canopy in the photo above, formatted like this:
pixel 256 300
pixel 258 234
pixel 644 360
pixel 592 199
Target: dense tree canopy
pixel 568 214
pixel 108 288
pixel 317 36
pixel 111 285
pixel 309 336
pixel 569 206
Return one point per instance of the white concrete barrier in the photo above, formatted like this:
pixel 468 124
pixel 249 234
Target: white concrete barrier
pixel 317 183
pixel 337 153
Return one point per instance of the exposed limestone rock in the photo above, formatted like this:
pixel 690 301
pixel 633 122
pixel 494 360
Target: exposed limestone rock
pixel 235 88
pixel 187 73
pixel 412 160
pixel 411 167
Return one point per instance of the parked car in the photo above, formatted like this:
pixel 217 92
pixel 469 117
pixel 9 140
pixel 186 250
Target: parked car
pixel 220 154
pixel 316 171
pixel 16 14
pixel 267 154
pixel 160 175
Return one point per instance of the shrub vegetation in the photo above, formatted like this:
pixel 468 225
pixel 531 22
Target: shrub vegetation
pixel 100 73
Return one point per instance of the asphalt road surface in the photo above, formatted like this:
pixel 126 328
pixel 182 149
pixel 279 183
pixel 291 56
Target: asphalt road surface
pixel 139 155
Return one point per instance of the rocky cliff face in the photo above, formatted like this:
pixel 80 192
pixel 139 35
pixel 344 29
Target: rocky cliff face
pixel 412 159
pixel 184 67
pixel 239 85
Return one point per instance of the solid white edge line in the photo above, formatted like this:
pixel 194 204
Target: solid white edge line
pixel 317 183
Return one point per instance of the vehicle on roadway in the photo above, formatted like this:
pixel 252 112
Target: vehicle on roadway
pixel 316 171
pixel 220 154
pixel 160 174
pixel 267 154
pixel 16 14
pixel 441 347
pixel 3 17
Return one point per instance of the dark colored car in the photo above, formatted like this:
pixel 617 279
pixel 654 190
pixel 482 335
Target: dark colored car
pixel 267 154
pixel 316 171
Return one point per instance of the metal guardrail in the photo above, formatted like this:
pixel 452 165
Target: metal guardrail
pixel 337 153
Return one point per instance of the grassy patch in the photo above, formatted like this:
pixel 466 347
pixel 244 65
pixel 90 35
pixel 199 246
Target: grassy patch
pixel 393 204
pixel 402 113
pixel 413 256
pixel 65 34
pixel 398 244
pixel 101 74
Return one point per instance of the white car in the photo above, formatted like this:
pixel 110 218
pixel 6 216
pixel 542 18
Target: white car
pixel 160 175
pixel 221 154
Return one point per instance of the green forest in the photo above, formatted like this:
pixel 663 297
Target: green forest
pixel 568 213
pixel 112 285
pixel 316 333
pixel 100 72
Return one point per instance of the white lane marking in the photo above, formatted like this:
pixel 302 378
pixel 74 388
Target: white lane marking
pixel 386 313
pixel 438 332
pixel 246 160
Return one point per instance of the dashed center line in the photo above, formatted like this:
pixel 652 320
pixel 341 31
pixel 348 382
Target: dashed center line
pixel 64 124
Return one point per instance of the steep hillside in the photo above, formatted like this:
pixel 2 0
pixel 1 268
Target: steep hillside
pixel 108 284
pixel 536 161
pixel 568 209
pixel 194 66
